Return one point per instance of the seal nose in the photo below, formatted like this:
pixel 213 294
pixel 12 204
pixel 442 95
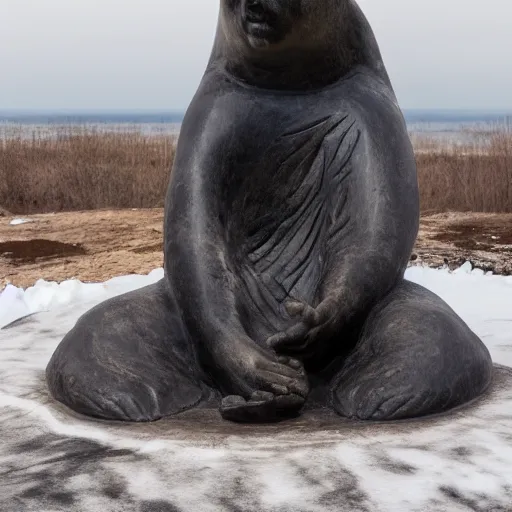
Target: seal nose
pixel 255 10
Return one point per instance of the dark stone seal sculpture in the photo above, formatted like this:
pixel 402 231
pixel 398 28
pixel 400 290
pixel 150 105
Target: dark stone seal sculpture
pixel 290 218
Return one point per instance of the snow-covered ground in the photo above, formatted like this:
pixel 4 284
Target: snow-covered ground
pixel 53 460
pixel 49 296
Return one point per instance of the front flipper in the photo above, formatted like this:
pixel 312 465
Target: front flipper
pixel 313 324
pixel 259 386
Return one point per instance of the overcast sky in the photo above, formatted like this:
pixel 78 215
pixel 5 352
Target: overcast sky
pixel 150 54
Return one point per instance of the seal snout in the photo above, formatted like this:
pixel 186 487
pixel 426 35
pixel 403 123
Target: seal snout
pixel 254 11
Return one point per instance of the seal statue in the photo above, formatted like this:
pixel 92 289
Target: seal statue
pixel 290 218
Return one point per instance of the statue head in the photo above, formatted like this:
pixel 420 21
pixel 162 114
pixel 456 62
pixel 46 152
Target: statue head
pixel 294 44
pixel 277 25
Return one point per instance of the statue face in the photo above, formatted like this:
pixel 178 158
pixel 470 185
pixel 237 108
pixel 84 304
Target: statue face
pixel 267 24
pixel 268 21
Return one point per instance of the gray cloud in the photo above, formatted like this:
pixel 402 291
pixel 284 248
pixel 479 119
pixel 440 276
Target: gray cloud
pixel 150 54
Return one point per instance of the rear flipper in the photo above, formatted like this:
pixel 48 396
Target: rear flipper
pixel 415 356
pixel 129 359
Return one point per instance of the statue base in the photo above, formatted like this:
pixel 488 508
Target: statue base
pixel 53 459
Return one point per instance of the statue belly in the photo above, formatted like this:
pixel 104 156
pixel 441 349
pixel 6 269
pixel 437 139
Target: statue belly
pixel 290 213
pixel 287 266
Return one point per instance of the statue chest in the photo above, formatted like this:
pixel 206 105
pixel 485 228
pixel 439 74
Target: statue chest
pixel 284 181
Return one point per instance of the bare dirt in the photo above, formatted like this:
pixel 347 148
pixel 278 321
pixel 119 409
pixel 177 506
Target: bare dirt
pixel 94 246
pixel 451 239
pixel 91 246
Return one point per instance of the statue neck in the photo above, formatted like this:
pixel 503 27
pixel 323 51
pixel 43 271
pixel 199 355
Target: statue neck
pixel 286 70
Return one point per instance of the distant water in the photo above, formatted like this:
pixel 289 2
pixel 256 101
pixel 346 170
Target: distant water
pixel 456 125
pixel 80 118
pixel 447 125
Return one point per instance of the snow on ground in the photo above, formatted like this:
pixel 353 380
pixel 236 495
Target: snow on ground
pixel 17 222
pixel 45 296
pixel 53 460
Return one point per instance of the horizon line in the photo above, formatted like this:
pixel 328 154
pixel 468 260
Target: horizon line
pixel 136 110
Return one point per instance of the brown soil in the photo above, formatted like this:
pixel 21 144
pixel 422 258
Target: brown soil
pixel 29 251
pixel 96 245
pixel 91 246
pixel 451 239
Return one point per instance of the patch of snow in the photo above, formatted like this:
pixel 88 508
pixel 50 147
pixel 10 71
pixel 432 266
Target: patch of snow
pixel 44 296
pixel 12 305
pixel 17 222
pixel 466 268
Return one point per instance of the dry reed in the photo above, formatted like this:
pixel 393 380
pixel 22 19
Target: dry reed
pixel 473 177
pixel 84 171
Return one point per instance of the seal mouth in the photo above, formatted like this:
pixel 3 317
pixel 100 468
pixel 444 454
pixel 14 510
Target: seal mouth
pixel 259 20
pixel 261 30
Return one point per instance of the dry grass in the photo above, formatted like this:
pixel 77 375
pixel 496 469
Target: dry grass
pixel 474 177
pixel 84 171
pixel 88 170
